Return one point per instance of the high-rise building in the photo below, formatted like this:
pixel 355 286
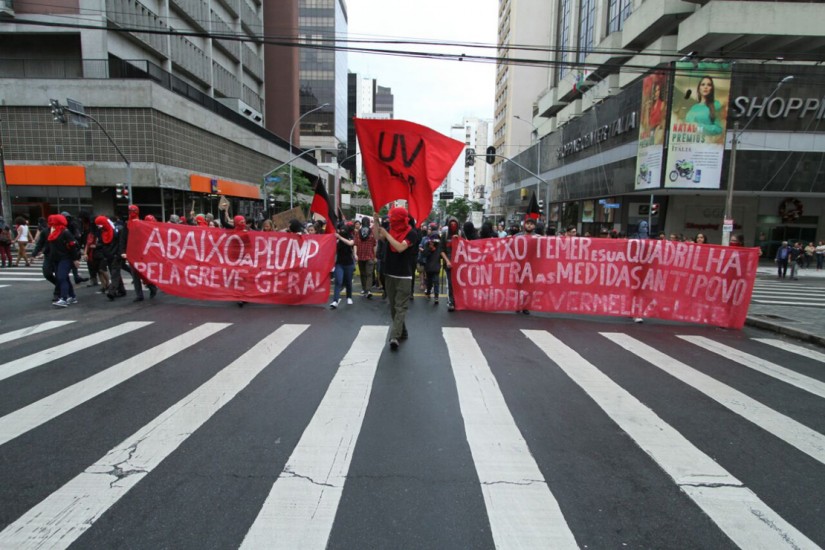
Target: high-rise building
pixel 520 22
pixel 620 127
pixel 323 74
pixel 182 104
pixel 471 182
pixel 366 100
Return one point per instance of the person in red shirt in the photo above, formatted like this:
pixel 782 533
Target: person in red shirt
pixel 365 245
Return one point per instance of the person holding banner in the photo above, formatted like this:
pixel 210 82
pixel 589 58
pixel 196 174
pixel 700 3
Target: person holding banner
pixel 708 112
pixel 446 253
pixel 398 268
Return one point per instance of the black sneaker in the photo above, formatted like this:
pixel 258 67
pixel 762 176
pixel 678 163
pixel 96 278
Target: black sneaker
pixel 153 291
pixel 393 344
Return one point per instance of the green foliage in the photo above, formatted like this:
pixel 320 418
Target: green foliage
pixel 302 188
pixel 460 208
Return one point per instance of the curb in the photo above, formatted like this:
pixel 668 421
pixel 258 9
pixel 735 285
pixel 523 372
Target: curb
pixel 789 331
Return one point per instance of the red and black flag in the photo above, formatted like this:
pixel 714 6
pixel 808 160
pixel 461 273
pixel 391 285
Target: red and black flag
pixel 323 206
pixel 533 211
pixel 404 160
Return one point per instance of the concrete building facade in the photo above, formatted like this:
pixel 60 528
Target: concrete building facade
pixel 184 106
pixel 602 53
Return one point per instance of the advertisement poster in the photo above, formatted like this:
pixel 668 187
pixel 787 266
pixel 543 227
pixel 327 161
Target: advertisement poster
pixel 698 115
pixel 652 131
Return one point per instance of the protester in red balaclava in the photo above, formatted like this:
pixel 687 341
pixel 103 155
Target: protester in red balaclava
pixel 402 249
pixel 239 223
pixel 111 247
pixel 134 212
pixel 149 218
pixel 200 221
pixel 446 254
pixel 63 253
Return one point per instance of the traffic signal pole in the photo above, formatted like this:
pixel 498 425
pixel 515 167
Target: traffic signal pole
pixel 58 112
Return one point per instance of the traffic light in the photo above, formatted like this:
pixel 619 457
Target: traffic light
pixel 541 205
pixel 491 154
pixel 270 201
pixel 342 152
pixel 119 191
pixel 469 157
pixel 57 111
pixel 124 194
pixel 654 209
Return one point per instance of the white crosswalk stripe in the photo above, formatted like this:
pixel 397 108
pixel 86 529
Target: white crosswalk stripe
pixel 27 418
pixel 765 367
pixel 60 519
pixel 48 355
pixel 739 512
pixel 23 332
pixel 793 348
pixel 300 509
pixel 523 508
pixel 787 293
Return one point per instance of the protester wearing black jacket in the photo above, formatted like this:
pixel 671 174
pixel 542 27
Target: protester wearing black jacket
pixel 64 253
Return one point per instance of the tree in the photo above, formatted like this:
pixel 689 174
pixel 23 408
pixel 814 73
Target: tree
pixel 301 186
pixel 460 208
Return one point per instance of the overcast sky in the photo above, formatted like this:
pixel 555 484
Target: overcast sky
pixel 434 93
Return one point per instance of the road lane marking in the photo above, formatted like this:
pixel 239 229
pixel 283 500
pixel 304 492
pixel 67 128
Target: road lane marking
pixel 737 510
pixel 793 348
pixel 34 329
pixel 31 416
pixel 57 352
pixel 300 509
pixel 66 514
pixel 522 511
pixel 765 367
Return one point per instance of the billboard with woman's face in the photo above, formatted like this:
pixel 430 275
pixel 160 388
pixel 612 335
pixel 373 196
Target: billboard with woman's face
pixel 698 115
pixel 652 122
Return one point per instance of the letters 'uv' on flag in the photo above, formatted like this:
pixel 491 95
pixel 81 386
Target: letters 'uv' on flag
pixel 322 205
pixel 404 160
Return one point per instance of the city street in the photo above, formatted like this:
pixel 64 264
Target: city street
pixel 180 424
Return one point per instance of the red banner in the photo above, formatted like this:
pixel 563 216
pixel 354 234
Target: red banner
pixel 204 263
pixel 631 278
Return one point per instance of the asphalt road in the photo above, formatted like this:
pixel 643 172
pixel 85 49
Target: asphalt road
pixel 297 427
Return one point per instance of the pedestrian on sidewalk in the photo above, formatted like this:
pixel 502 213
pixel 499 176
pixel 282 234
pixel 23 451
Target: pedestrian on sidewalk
pixel 5 243
pixel 402 250
pixel 795 257
pixel 820 255
pixel 782 259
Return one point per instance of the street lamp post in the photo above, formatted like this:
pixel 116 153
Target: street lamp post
pixel 727 222
pixel 291 131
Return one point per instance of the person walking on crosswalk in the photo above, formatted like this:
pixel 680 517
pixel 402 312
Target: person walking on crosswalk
pixel 111 249
pixel 64 253
pixel 402 250
pixel 137 279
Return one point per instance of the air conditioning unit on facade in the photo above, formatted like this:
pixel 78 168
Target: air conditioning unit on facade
pixel 6 8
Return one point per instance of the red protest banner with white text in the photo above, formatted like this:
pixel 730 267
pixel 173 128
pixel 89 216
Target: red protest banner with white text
pixel 205 263
pixel 632 278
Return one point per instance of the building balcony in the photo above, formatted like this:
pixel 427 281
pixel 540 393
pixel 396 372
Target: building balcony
pixel 6 8
pixel 652 20
pixel 755 30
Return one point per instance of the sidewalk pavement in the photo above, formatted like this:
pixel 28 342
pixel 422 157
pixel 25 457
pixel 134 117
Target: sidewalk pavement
pixel 805 323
